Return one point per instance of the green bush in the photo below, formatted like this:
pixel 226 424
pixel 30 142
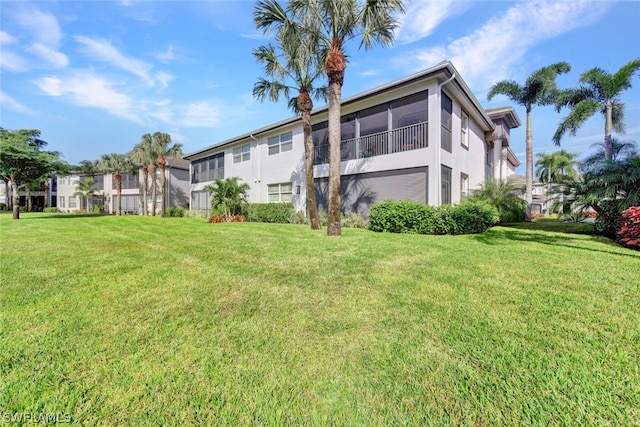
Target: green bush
pixel 607 221
pixel 353 220
pixel 270 212
pixel 51 210
pixel 412 217
pixel 298 217
pixel 175 212
pixel 195 213
pixel 97 208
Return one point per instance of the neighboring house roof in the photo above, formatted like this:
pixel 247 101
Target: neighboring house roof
pixel 508 114
pixel 512 158
pixel 442 71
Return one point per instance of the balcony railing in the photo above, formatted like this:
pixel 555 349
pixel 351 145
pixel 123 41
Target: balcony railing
pixel 206 176
pixel 394 141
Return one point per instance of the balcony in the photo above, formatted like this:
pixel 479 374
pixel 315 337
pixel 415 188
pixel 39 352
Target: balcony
pixel 207 176
pixel 405 138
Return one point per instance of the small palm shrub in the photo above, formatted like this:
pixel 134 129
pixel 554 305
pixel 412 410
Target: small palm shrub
pixel 629 232
pixel 353 220
pixel 175 212
pixel 504 196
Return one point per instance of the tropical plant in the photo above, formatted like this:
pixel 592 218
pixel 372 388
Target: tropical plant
pixel 85 190
pixel 228 196
pixel 539 89
pixel 143 155
pixel 504 196
pixel 23 161
pixel 293 64
pixel 599 92
pixel 117 164
pixel 555 167
pixel 332 24
pixel 164 149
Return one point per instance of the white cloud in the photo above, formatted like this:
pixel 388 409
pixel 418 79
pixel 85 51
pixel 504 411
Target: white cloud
pixel 424 16
pixel 87 89
pixel 167 55
pixel 6 38
pixel 13 62
pixel 43 27
pixel 163 78
pixel 103 50
pixel 52 57
pixel 10 103
pixel 489 53
pixel 200 114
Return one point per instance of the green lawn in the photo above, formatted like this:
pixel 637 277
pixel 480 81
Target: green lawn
pixel 151 321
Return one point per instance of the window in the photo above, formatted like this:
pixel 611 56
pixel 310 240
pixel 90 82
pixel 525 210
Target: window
pixel 280 192
pixel 62 181
pixel 208 169
pixel 445 117
pixel 242 154
pixel 61 202
pixel 72 202
pixel 464 185
pixel 445 185
pixel 464 130
pixel 280 143
pixel 409 110
pixel 128 181
pixel 489 158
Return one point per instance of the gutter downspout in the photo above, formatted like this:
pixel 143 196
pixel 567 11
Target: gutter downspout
pixel 439 156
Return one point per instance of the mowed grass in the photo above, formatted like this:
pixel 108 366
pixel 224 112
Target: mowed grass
pixel 151 321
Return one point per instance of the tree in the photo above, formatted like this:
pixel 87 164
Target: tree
pixel 332 24
pixel 539 89
pixel 292 65
pixel 164 149
pixel 143 155
pixel 228 196
pixel 116 164
pixel 553 168
pixel 85 190
pixel 504 195
pixel 23 161
pixel 599 92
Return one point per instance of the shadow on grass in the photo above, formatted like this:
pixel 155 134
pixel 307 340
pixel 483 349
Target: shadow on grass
pixel 555 225
pixel 497 236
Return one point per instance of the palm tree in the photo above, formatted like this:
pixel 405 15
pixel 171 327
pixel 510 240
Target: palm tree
pixel 332 24
pixel 538 89
pixel 504 195
pixel 555 167
pixel 600 92
pixel 143 155
pixel 228 195
pixel 116 164
pixel 164 149
pixel 85 190
pixel 299 64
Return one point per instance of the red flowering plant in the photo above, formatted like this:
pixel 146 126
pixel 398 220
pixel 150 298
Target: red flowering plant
pixel 629 231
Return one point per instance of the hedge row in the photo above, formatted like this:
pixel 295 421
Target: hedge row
pixel 270 212
pixel 407 216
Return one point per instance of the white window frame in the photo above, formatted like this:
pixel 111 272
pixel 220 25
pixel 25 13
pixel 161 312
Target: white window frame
pixel 280 143
pixel 464 185
pixel 242 153
pixel 73 202
pixel 61 202
pixel 464 129
pixel 283 191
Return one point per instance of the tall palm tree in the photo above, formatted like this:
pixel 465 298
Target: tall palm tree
pixel 292 65
pixel 600 91
pixel 164 149
pixel 143 155
pixel 332 24
pixel 538 89
pixel 555 167
pixel 117 164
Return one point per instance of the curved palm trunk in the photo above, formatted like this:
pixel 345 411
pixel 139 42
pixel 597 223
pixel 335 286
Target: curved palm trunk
pixel 162 162
pixel 608 126
pixel 46 193
pixel 118 177
pixel 305 105
pixel 154 187
pixel 145 187
pixel 529 168
pixel 548 192
pixel 335 67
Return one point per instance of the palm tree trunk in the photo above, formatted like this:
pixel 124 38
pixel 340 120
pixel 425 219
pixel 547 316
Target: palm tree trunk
pixel 163 185
pixel 145 187
pixel 305 105
pixel 118 178
pixel 335 67
pixel 154 187
pixel 46 193
pixel 15 199
pixel 549 192
pixel 529 167
pixel 608 126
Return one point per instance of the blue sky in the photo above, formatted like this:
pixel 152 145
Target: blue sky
pixel 94 76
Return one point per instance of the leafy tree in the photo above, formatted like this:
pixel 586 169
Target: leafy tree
pixel 503 195
pixel 117 164
pixel 293 64
pixel 539 89
pixel 228 196
pixel 23 161
pixel 332 24
pixel 599 92
pixel 143 154
pixel 85 190
pixel 553 168
pixel 164 149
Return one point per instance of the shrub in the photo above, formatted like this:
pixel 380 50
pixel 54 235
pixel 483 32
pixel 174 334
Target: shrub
pixel 353 220
pixel 270 212
pixel 629 232
pixel 607 221
pixel 298 217
pixel 473 217
pixel 51 210
pixel 175 212
pixel 97 209
pixel 406 216
pixel 195 213
pixel 215 219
